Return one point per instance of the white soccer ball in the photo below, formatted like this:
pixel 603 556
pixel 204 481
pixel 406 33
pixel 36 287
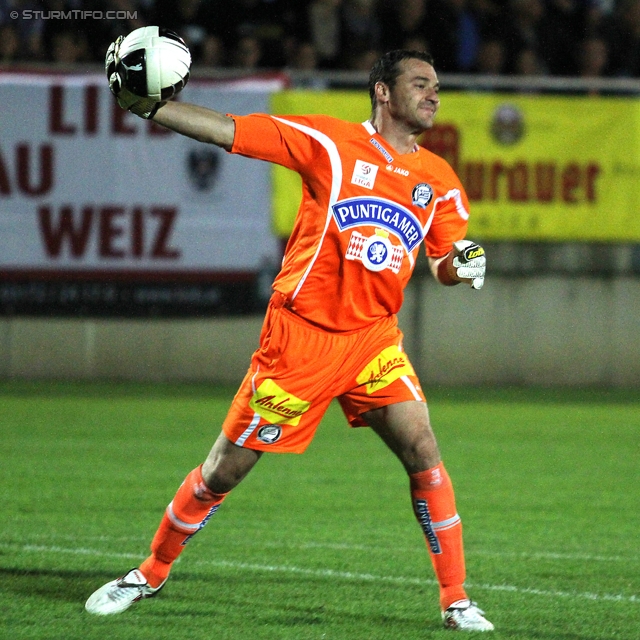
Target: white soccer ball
pixel 154 63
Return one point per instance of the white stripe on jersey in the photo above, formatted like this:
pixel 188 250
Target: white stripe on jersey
pixel 256 418
pixel 336 183
pixel 412 387
pixel 369 127
pixel 249 430
pixel 462 212
pixel 455 194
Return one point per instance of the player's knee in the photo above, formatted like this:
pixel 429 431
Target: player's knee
pixel 226 466
pixel 420 452
pixel 220 479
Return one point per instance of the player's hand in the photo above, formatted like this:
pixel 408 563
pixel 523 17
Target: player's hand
pixel 469 262
pixel 143 107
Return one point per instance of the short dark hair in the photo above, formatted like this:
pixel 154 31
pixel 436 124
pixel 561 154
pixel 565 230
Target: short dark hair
pixel 387 68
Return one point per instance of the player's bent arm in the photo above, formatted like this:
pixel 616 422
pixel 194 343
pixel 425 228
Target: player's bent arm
pixel 199 123
pixel 439 271
pixel 443 271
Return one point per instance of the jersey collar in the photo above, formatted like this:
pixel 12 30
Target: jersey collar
pixel 371 130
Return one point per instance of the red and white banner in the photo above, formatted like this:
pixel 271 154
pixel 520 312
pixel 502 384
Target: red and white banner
pixel 88 190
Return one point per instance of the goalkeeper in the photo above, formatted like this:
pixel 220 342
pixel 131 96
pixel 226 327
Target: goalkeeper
pixel 371 197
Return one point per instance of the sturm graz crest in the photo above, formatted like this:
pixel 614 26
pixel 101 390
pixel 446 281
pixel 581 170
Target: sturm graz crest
pixel 421 195
pixel 270 433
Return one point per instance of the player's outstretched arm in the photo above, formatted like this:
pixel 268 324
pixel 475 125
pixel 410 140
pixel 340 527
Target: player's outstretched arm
pixel 199 123
pixel 466 262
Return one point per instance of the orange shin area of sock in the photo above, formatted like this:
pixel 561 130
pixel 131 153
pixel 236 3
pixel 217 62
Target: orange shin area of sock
pixel 191 507
pixel 193 500
pixel 155 571
pixel 433 491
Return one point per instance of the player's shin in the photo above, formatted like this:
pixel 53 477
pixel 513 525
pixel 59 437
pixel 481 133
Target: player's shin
pixel 191 508
pixel 435 508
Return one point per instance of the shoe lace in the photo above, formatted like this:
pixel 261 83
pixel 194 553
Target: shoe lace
pixel 123 591
pixel 473 611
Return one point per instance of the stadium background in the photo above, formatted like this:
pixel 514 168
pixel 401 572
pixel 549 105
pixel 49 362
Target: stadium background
pixel 550 161
pixel 561 301
pixel 110 385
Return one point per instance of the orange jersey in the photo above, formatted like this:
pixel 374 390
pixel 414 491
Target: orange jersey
pixel 365 211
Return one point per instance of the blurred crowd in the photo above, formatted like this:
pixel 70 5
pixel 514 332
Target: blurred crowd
pixel 588 38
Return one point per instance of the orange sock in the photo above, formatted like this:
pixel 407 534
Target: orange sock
pixel 189 511
pixel 435 508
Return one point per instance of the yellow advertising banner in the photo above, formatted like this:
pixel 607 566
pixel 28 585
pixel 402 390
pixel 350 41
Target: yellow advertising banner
pixel 555 168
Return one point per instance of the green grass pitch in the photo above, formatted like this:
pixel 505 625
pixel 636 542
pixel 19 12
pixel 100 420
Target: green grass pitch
pixel 322 545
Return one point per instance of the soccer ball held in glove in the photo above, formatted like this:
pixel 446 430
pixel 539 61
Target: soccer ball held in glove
pixel 150 65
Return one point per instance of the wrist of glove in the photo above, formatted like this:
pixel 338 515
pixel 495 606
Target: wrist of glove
pixel 142 107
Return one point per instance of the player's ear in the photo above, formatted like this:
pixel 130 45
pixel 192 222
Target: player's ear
pixel 382 93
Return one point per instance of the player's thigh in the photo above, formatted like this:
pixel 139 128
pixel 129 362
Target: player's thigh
pixel 275 411
pixel 379 374
pixel 405 428
pixel 288 387
pixel 386 395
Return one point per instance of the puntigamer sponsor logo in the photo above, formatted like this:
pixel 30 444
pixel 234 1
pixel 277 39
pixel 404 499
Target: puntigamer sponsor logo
pixel 382 213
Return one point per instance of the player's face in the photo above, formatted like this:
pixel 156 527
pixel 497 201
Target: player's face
pixel 413 100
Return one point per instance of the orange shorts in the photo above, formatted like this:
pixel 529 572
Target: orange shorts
pixel 299 369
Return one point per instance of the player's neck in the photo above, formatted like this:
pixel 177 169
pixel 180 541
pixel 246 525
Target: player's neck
pixel 402 140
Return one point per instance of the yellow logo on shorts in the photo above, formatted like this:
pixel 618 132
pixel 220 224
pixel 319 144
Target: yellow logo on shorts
pixel 276 405
pixel 389 365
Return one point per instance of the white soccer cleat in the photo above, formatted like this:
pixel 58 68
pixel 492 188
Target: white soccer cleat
pixel 464 615
pixel 120 594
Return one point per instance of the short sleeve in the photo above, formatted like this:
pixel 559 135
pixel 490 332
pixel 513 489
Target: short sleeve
pixel 449 224
pixel 273 139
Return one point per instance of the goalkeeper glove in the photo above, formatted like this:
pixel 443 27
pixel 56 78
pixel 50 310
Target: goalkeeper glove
pixel 143 107
pixel 470 262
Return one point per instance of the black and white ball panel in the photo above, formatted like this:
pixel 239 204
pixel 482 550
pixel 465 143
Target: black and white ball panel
pixel 154 62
